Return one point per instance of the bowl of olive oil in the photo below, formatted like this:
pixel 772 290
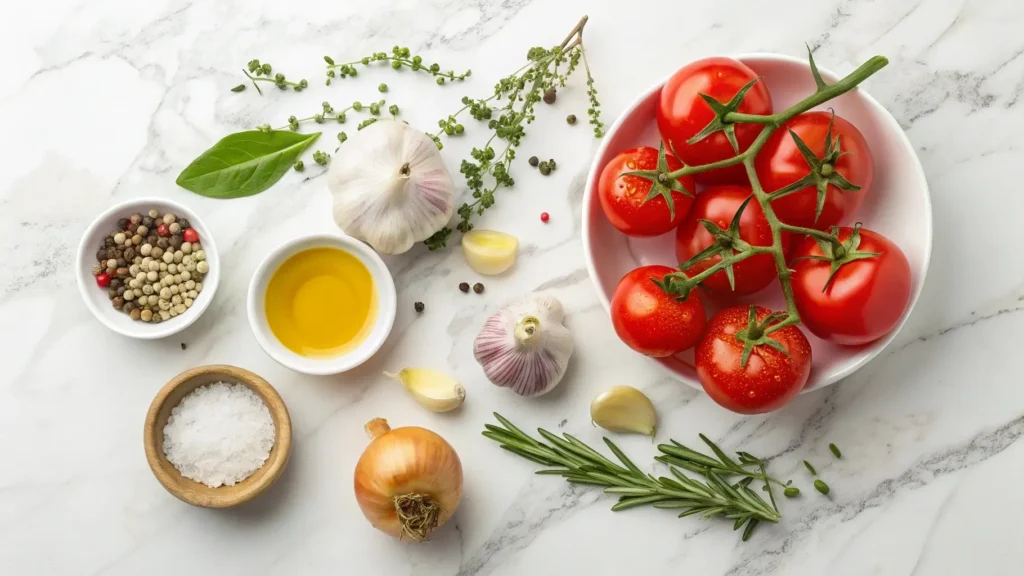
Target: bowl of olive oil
pixel 322 304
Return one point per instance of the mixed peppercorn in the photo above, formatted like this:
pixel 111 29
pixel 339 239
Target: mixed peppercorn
pixel 152 266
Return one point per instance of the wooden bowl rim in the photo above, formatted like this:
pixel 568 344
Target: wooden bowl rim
pixel 201 495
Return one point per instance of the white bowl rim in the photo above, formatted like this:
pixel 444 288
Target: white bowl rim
pixel 387 302
pixel 878 345
pixel 163 329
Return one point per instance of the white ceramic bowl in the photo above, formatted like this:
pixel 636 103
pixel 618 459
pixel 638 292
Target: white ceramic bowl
pixel 96 298
pixel 898 207
pixel 387 303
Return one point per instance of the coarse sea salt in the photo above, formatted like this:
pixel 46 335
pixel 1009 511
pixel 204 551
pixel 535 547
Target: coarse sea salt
pixel 219 434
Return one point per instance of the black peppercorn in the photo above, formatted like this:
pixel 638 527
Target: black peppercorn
pixel 123 223
pixel 478 288
pixel 464 286
pixel 184 223
pixel 101 255
pixel 418 306
pixel 112 292
pixel 182 344
pixel 551 163
pixel 534 161
pixel 545 168
pixel 121 291
pixel 121 261
pixel 152 239
pixel 108 242
pixel 571 119
pixel 163 243
pixel 111 254
pixel 135 218
pixel 118 303
pixel 130 254
pixel 116 283
pixel 147 222
pixel 129 306
pixel 176 241
pixel 549 96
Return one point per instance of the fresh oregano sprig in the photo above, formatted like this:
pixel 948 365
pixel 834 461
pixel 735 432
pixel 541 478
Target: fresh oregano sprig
pixel 400 57
pixel 261 72
pixel 822 174
pixel 713 495
pixel 507 111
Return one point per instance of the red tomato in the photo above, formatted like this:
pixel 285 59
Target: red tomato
pixel 624 198
pixel 770 378
pixel 682 114
pixel 719 204
pixel 652 322
pixel 865 299
pixel 780 164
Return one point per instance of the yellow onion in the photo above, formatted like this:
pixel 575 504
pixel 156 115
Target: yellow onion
pixel 408 481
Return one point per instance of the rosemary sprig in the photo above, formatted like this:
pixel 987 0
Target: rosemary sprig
pixel 261 72
pixel 399 58
pixel 716 495
pixel 507 111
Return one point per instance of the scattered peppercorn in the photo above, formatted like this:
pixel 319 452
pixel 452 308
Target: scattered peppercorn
pixel 551 163
pixel 571 119
pixel 534 161
pixel 464 286
pixel 418 306
pixel 478 288
pixel 183 346
pixel 549 96
pixel 382 88
pixel 544 217
pixel 545 168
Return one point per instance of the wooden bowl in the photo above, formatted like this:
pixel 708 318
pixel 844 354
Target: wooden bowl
pixel 199 494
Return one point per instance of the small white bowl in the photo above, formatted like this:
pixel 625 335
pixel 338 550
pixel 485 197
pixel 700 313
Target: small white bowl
pixel 387 304
pixel 96 298
pixel 899 207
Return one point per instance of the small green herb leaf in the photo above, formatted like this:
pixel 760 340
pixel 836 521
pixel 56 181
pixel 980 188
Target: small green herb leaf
pixel 810 468
pixel 238 88
pixel 835 450
pixel 244 163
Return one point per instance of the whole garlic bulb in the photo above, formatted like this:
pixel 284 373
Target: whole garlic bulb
pixel 390 187
pixel 524 346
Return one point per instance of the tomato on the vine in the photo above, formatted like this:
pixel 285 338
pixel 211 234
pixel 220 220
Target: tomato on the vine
pixel 625 200
pixel 651 321
pixel 858 293
pixel 775 369
pixel 682 114
pixel 718 205
pixel 841 158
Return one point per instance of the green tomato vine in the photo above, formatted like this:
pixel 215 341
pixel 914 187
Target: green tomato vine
pixel 727 243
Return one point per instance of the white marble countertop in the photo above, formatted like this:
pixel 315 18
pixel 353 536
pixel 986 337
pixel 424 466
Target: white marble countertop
pixel 107 100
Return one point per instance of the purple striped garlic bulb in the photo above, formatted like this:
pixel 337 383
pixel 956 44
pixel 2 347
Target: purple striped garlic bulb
pixel 525 346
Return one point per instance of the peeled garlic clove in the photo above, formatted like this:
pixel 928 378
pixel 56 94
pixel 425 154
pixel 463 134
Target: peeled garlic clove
pixel 435 390
pixel 624 409
pixel 489 252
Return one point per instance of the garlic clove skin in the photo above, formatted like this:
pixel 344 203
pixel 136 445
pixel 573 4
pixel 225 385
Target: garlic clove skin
pixel 489 252
pixel 525 346
pixel 624 409
pixel 433 389
pixel 390 187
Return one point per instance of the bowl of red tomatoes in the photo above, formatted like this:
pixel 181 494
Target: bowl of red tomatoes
pixel 758 226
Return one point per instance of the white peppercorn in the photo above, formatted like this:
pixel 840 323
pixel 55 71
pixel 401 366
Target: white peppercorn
pixel 128 295
pixel 199 286
pixel 189 284
pixel 180 308
pixel 168 257
pixel 133 283
pixel 137 260
pixel 142 230
pixel 173 289
pixel 152 276
pixel 174 228
pixel 164 315
pixel 192 294
pixel 133 270
pixel 156 252
pixel 202 267
pixel 165 293
pixel 162 265
pixel 191 267
pixel 176 299
pixel 119 238
pixel 199 256
pixel 188 302
pixel 173 312
pixel 96 269
pixel 154 266
pixel 112 263
pixel 153 213
pixel 178 255
pixel 163 304
pixel 172 268
pixel 137 291
pixel 136 240
pixel 186 247
pixel 178 279
pixel 147 289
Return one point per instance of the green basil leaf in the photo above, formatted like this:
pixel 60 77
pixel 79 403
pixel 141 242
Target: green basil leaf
pixel 244 163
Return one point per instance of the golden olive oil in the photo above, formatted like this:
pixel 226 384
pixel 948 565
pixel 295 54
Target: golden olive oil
pixel 321 302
